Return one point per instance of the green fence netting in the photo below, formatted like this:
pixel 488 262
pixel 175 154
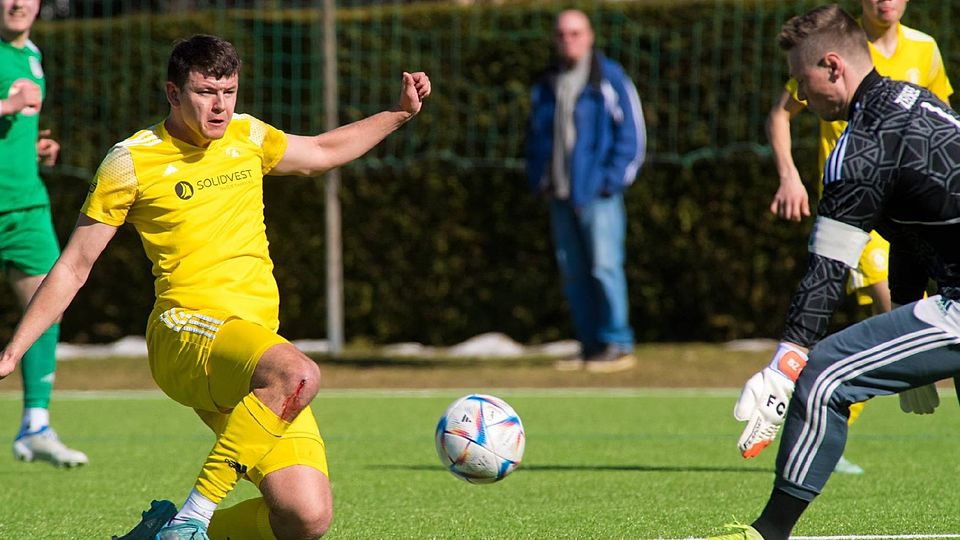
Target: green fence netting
pixel 441 239
pixel 706 71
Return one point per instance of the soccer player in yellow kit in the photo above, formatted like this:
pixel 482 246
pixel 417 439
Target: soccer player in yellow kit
pixel 898 52
pixel 192 186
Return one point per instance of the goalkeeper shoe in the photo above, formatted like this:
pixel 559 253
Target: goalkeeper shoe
pixel 190 529
pixel 151 521
pixel 740 532
pixel 44 445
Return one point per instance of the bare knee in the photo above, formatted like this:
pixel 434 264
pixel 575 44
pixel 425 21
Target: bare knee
pixel 300 502
pixel 318 523
pixel 286 380
pixel 302 387
pixel 302 381
pixel 299 388
pixel 304 523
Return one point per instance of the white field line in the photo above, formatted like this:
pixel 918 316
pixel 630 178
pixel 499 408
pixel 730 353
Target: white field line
pixel 89 395
pixel 867 537
pixel 876 537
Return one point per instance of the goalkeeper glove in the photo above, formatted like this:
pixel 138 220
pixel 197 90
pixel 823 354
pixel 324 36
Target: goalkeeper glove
pixel 763 401
pixel 920 400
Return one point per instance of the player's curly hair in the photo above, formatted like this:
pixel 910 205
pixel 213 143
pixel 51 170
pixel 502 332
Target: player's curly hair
pixel 208 55
pixel 823 29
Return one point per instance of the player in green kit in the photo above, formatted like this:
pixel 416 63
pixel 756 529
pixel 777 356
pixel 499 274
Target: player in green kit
pixel 28 243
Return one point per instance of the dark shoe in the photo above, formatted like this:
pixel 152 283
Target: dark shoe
pixel 611 360
pixel 151 521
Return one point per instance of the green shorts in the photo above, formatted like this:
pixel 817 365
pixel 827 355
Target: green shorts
pixel 28 241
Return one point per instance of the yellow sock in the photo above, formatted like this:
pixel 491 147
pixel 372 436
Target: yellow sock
pixel 250 432
pixel 248 520
pixel 855 410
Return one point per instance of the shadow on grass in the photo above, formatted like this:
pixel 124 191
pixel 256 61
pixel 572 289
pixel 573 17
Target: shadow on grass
pixel 562 468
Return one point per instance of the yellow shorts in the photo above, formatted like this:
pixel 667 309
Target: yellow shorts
pixel 300 445
pixel 205 360
pixel 873 268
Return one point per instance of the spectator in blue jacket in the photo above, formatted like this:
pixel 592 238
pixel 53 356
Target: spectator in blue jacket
pixel 585 144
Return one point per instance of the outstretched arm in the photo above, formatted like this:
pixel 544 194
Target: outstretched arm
pixel 791 200
pixel 835 246
pixel 313 155
pixel 70 272
pixel 763 401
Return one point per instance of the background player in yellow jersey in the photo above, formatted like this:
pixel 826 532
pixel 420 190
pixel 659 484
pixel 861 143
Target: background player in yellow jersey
pixel 898 52
pixel 192 186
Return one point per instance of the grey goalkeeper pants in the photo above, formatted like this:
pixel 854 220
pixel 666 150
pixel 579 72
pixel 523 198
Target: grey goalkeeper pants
pixel 912 346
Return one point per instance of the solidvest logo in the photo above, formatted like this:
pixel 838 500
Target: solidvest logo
pixel 184 190
pixel 229 179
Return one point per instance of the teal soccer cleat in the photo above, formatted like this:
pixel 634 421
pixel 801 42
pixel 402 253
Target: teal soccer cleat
pixel 151 521
pixel 190 529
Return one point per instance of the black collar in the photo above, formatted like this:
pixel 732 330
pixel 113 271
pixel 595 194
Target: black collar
pixel 596 71
pixel 872 79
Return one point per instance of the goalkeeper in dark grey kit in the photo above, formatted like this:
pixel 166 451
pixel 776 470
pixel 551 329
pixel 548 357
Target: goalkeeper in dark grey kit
pixel 895 169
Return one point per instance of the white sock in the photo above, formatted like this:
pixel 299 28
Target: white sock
pixel 34 419
pixel 195 507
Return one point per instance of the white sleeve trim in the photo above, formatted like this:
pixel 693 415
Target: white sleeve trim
pixel 641 133
pixel 838 241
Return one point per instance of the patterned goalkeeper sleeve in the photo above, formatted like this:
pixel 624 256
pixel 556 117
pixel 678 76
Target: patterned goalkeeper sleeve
pixel 814 301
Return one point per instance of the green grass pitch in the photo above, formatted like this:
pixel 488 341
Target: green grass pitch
pixel 598 464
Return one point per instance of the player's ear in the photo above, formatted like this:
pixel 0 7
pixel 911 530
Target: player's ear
pixel 173 94
pixel 834 63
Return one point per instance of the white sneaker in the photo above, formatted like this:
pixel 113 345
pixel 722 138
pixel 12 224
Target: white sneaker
pixel 44 445
pixel 845 466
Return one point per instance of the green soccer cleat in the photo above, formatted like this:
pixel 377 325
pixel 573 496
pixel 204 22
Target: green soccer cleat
pixel 190 529
pixel 45 445
pixel 742 532
pixel 151 521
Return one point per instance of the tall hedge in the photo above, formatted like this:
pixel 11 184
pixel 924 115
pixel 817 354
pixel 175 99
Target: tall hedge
pixel 441 239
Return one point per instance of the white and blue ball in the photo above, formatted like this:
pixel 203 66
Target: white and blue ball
pixel 480 439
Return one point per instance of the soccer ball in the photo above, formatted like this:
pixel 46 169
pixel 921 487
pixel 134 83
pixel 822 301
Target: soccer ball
pixel 480 439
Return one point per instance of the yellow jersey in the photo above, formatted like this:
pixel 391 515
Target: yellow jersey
pixel 199 214
pixel 916 60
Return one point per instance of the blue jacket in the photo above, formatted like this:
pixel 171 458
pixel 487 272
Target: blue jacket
pixel 611 135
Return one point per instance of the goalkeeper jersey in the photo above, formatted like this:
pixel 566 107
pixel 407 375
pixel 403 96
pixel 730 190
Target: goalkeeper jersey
pixel 916 60
pixel 895 169
pixel 199 214
pixel 20 183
